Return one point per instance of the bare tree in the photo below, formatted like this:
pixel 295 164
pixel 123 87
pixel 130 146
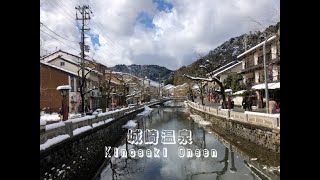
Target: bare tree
pixel 123 88
pixel 105 87
pixel 210 80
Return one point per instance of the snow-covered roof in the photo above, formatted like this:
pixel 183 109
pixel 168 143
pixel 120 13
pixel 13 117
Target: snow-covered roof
pixel 168 86
pixel 118 83
pixel 73 59
pixel 122 73
pixel 59 68
pixel 227 68
pixel 255 47
pixel 68 87
pixel 221 68
pixel 153 83
pixel 196 86
pixel 239 92
pixel 270 86
pixel 78 64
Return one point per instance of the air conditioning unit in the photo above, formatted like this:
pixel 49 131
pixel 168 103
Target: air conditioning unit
pixel 93 94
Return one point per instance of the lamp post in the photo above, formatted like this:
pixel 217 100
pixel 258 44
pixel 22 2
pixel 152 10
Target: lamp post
pixel 265 75
pixel 64 91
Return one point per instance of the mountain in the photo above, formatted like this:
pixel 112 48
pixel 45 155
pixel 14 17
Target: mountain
pixel 153 72
pixel 222 55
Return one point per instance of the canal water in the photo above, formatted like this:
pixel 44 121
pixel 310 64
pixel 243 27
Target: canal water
pixel 169 159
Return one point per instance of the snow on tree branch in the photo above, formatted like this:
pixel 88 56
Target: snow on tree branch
pixel 202 79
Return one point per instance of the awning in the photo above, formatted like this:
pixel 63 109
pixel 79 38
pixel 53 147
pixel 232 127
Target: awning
pixel 239 92
pixel 228 90
pixel 270 86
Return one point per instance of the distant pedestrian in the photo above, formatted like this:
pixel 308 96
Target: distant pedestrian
pixel 244 103
pixel 272 106
pixel 229 102
pixel 249 104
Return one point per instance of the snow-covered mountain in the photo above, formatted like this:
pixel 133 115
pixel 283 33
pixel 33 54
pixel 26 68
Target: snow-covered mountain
pixel 153 72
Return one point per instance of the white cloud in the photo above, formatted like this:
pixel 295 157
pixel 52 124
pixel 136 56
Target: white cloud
pixel 190 28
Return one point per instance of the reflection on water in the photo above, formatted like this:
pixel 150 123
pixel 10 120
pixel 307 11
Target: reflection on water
pixel 228 164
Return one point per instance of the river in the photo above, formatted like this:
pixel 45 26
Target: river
pixel 169 160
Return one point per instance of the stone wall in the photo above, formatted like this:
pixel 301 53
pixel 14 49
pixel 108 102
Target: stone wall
pixel 80 156
pixel 264 136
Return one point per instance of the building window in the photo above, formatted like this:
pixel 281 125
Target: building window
pixel 61 63
pixel 249 62
pixel 72 84
pixel 261 77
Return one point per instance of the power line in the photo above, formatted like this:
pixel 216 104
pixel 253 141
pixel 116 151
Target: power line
pixel 65 6
pixel 113 47
pixel 62 13
pixel 60 41
pixel 113 44
pixel 85 24
pixel 58 34
pixel 63 9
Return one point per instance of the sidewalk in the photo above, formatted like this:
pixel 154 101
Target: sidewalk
pixel 236 108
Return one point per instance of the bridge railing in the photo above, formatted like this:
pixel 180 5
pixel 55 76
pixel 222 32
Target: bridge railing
pixel 261 119
pixel 67 127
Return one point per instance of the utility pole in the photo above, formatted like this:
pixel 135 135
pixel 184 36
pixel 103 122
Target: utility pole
pixel 85 15
pixel 159 87
pixel 265 75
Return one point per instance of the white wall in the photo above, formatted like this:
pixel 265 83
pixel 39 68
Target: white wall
pixel 273 50
pixel 67 65
pixel 255 58
pixel 275 72
pixel 256 76
pixel 237 100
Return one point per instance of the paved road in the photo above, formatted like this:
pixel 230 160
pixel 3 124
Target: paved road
pixel 216 105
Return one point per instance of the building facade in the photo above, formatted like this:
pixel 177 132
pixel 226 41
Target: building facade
pixel 253 65
pixel 253 69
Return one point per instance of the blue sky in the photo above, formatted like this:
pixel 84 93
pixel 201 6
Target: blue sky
pixel 162 5
pixel 145 19
pixel 170 33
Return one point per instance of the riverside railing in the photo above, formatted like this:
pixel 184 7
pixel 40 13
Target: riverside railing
pixel 72 127
pixel 261 119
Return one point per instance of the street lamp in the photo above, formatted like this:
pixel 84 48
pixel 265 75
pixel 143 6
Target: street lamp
pixel 64 91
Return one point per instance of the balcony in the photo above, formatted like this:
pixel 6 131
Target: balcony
pixel 260 64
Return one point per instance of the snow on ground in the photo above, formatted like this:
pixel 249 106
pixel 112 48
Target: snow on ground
pixel 80 119
pixel 109 120
pixel 74 116
pixel 43 122
pixel 80 130
pixel 198 119
pixel 97 124
pixel 50 117
pixel 146 111
pixel 130 124
pixel 147 108
pixel 105 113
pixel 168 103
pixel 53 141
pixel 110 112
pixel 54 125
